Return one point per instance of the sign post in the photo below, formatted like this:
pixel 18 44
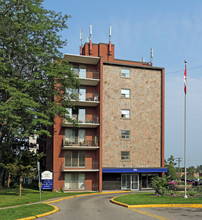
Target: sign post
pixel 38 166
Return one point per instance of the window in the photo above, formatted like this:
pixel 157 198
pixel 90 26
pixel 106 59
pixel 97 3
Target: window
pixel 125 73
pixel 125 113
pixel 125 155
pixel 82 93
pixel 74 181
pixel 75 159
pixel 72 93
pixel 79 70
pixel 82 71
pixel 125 134
pixel 125 93
pixel 74 136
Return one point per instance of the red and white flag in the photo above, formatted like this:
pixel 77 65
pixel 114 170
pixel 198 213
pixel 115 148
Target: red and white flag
pixel 185 79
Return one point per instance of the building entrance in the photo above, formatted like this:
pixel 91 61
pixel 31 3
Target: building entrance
pixel 130 182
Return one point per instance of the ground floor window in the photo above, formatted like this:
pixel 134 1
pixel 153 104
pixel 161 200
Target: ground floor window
pixel 74 181
pixel 147 180
pixel 128 181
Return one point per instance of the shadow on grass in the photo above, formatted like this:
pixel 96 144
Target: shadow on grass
pixel 15 192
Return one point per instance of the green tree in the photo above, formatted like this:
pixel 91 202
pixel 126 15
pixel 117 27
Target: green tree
pixel 23 164
pixel 33 75
pixel 199 169
pixel 191 171
pixel 170 164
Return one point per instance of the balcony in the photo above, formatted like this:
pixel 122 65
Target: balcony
pixel 92 101
pixel 86 167
pixel 91 78
pixel 80 145
pixel 94 123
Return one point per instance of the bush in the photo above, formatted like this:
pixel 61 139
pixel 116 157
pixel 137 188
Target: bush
pixel 160 185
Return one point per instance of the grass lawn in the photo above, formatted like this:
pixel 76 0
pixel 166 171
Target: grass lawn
pixel 24 211
pixel 148 198
pixel 9 197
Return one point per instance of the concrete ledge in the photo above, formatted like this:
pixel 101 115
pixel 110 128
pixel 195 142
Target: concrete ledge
pixel 156 205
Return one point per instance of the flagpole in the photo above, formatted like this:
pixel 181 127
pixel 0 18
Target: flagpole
pixel 185 130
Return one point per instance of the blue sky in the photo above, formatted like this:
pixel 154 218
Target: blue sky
pixel 174 30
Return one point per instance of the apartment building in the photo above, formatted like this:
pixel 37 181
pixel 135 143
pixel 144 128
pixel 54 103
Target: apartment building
pixel 119 140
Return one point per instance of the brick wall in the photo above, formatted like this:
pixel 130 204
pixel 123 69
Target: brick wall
pixel 145 117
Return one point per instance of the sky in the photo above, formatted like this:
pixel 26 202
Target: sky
pixel 173 28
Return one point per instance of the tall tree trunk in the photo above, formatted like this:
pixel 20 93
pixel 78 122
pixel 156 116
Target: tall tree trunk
pixel 9 180
pixel 20 193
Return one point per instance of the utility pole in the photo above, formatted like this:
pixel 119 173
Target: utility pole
pixel 178 162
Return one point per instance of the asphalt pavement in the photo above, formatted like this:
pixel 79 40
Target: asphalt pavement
pixel 99 207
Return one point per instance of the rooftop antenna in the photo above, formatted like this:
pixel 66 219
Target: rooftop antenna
pixel 81 39
pixel 110 35
pixel 151 56
pixel 90 48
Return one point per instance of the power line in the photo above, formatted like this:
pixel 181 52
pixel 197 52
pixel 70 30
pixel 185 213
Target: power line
pixel 191 68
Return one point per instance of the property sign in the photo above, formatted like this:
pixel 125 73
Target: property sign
pixel 47 180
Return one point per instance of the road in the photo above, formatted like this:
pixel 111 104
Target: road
pixel 98 207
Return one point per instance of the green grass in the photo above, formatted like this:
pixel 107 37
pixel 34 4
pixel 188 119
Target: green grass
pixel 148 198
pixel 24 211
pixel 10 197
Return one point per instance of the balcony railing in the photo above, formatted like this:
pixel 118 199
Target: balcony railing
pixel 95 119
pixel 78 142
pixel 86 166
pixel 90 74
pixel 92 98
pixel 91 123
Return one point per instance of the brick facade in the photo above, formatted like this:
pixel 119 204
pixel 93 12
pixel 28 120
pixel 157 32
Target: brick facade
pixel 103 143
pixel 144 123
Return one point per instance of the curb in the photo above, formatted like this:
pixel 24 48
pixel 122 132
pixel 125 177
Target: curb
pixel 58 200
pixel 56 209
pixel 156 205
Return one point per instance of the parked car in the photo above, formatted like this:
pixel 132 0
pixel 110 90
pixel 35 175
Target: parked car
pixel 192 181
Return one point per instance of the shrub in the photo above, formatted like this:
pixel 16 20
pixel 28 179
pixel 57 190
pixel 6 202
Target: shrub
pixel 160 185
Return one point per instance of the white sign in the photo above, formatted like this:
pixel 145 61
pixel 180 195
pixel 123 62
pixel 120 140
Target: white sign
pixel 46 175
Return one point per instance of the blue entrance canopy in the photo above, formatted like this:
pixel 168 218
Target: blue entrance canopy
pixel 134 170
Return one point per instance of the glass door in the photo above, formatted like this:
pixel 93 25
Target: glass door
pixel 82 93
pixel 134 182
pixel 82 136
pixel 82 71
pixel 125 181
pixel 82 115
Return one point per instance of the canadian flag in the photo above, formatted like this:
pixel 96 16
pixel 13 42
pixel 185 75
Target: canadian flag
pixel 185 79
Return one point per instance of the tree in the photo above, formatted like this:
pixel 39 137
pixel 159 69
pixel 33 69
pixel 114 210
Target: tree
pixel 24 164
pixel 170 164
pixel 199 169
pixel 33 73
pixel 190 172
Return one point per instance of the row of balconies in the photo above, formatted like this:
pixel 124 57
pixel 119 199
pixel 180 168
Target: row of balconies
pixel 91 78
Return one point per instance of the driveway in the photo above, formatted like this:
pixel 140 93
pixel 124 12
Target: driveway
pixel 98 207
